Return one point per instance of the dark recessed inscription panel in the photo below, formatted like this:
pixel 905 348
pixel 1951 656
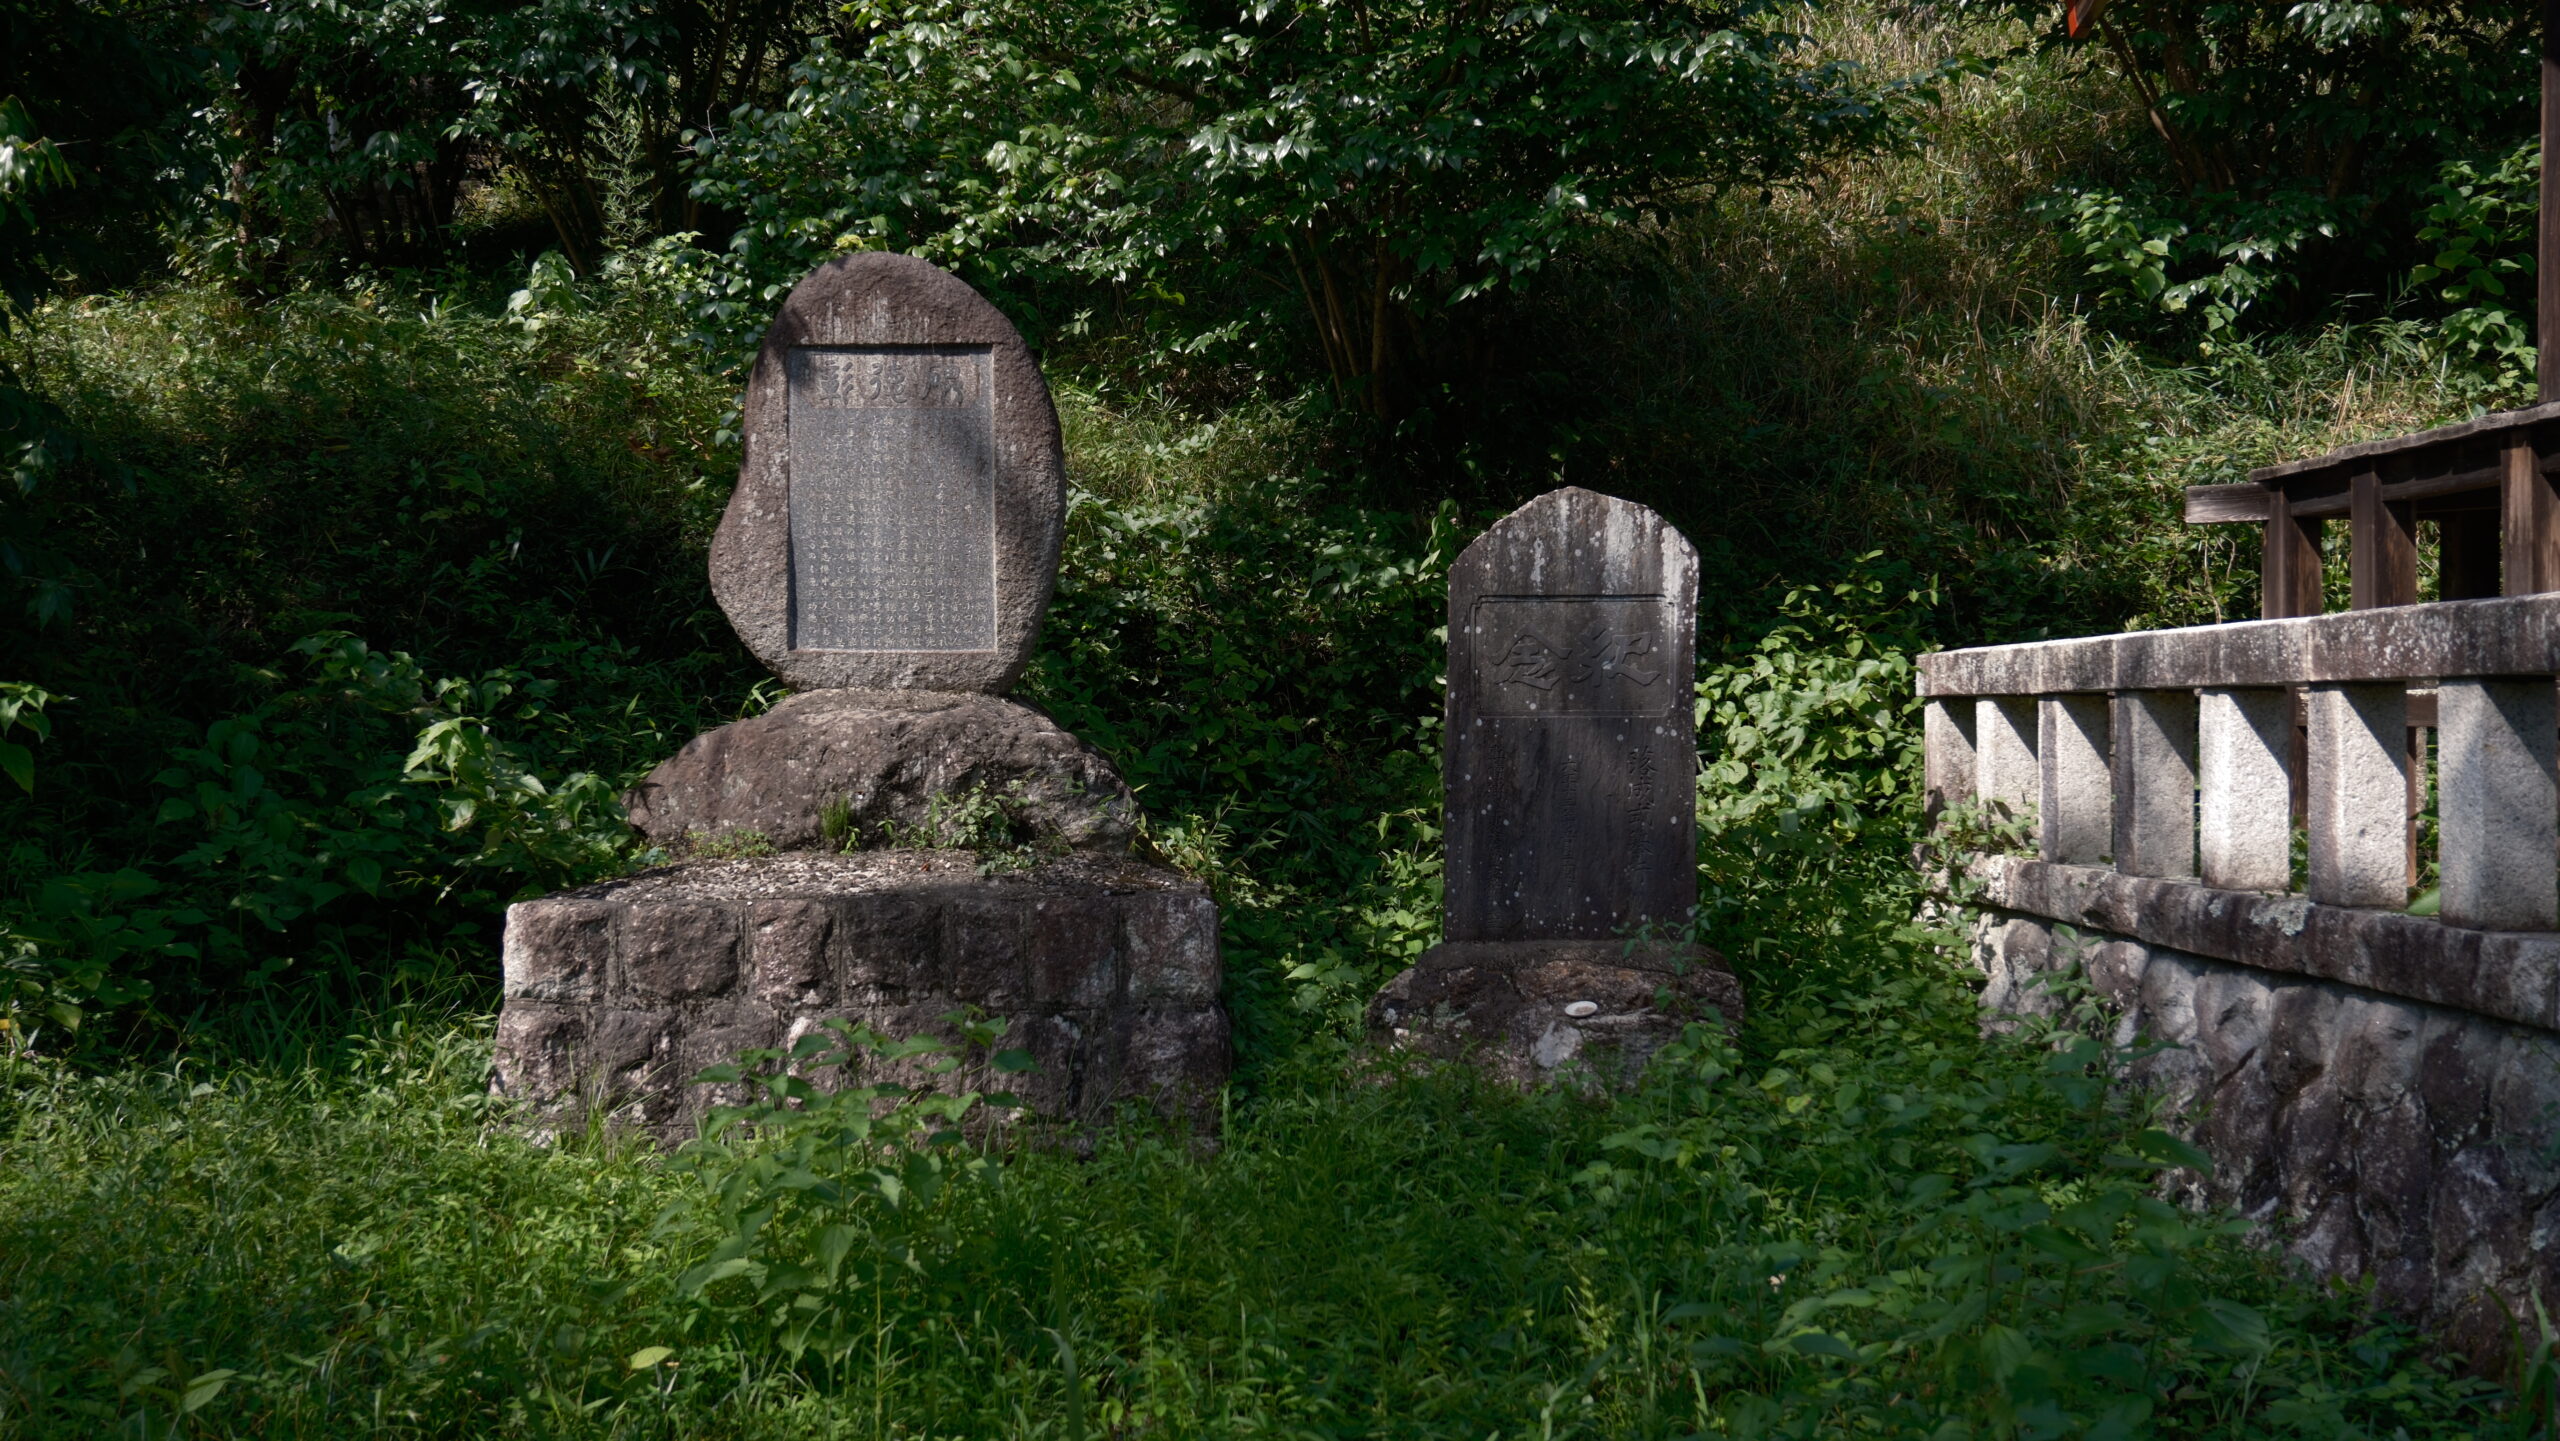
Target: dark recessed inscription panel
pixel 1570 655
pixel 892 499
pixel 1571 761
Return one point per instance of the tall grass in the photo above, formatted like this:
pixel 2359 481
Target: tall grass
pixel 363 1247
pixel 286 1206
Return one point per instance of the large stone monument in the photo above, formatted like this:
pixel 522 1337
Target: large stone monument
pixel 1568 780
pixel 889 553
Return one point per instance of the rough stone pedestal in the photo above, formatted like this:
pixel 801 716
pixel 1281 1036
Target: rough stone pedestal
pixel 1106 971
pixel 1532 1012
pixel 883 758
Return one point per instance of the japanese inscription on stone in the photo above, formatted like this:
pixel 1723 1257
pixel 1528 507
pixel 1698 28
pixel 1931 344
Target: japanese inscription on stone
pixel 893 473
pixel 901 492
pixel 1571 748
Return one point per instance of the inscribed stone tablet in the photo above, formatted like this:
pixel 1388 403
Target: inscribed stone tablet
pixel 893 504
pixel 897 517
pixel 1571 756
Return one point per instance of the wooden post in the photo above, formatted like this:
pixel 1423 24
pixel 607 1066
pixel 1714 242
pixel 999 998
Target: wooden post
pixel 2528 521
pixel 2383 558
pixel 2289 580
pixel 2547 239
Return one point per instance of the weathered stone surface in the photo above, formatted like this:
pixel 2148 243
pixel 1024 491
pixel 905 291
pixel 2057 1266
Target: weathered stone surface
pixel 2008 779
pixel 2358 795
pixel 898 512
pixel 2075 806
pixel 2502 975
pixel 2499 804
pixel 1571 743
pixel 1106 970
pixel 887 755
pixel 2244 748
pixel 2381 1136
pixel 2155 788
pixel 1533 1012
pixel 2511 635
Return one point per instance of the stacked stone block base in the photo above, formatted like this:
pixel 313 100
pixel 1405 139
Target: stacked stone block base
pixel 2380 1136
pixel 1106 971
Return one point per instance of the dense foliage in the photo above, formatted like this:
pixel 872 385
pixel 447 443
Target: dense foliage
pixel 368 379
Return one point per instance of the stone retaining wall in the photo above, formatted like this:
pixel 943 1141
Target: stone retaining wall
pixel 2378 1135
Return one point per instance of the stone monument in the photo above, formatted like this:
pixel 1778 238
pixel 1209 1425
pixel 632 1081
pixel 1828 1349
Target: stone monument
pixel 1568 777
pixel 889 553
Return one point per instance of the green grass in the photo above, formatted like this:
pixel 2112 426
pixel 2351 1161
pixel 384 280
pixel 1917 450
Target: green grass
pixel 358 1243
pixel 260 1205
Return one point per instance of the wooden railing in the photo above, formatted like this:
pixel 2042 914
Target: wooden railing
pixel 2486 484
pixel 2160 771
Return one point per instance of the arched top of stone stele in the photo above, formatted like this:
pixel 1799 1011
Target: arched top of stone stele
pixel 898 512
pixel 1576 542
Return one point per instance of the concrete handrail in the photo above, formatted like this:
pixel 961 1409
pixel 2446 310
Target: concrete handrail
pixel 2173 754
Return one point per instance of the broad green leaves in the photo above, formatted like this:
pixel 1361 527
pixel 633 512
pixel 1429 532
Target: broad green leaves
pixel 1345 169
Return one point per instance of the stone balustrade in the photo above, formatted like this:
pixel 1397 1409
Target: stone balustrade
pixel 2382 1085
pixel 2173 755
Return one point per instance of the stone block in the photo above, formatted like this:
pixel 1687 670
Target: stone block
pixel 2302 1034
pixel 986 949
pixel 2152 753
pixel 2076 795
pixel 1073 960
pixel 2359 807
pixel 887 944
pixel 557 950
pixel 539 1045
pixel 674 951
pixel 2498 804
pixel 2454 1071
pixel 2524 1106
pixel 2007 780
pixel 1171 943
pixel 627 1049
pixel 716 1037
pixel 1178 1057
pixel 789 943
pixel 2244 739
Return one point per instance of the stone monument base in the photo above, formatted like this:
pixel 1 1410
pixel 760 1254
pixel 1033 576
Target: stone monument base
pixel 1532 1012
pixel 883 760
pixel 1105 970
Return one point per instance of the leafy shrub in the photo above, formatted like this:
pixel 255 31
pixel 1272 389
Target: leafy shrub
pixel 816 1171
pixel 1268 173
pixel 2481 223
pixel 1808 791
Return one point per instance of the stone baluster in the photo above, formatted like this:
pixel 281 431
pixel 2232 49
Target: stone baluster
pixel 2359 794
pixel 2153 747
pixel 2498 804
pixel 2006 779
pixel 1946 731
pixel 2076 797
pixel 2245 829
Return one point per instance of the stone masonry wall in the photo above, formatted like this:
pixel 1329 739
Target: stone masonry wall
pixel 1107 972
pixel 2380 1136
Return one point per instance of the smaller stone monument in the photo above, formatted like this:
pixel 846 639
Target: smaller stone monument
pixel 896 842
pixel 1567 782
